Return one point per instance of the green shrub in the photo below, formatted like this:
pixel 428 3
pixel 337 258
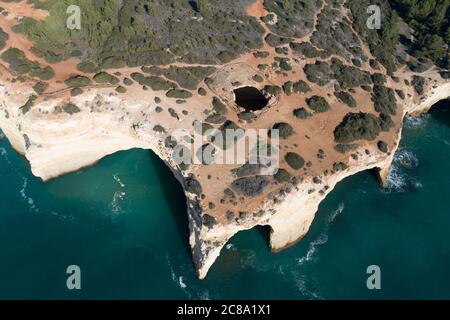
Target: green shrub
pixel 346 98
pixel 76 92
pixel 318 104
pixel 186 77
pixel 28 105
pixel 282 176
pixel 87 67
pixel 127 81
pixel 209 221
pixel 294 160
pixel 219 106
pixel 247 116
pixel 157 83
pixel 339 166
pixel 258 78
pixel 46 73
pixel 261 54
pixel 357 126
pixel 158 128
pixel 273 90
pixel 384 100
pixel 285 130
pixel 121 89
pixel 344 148
pixel 178 94
pixel 302 113
pixel 40 87
pixel 247 170
pixel 308 50
pixel 287 88
pixel 225 56
pixel 103 77
pixel 301 87
pixel 215 118
pixel 69 108
pixel 386 122
pixel 250 186
pixel 192 185
pixel 284 64
pixel 276 41
pixel 418 83
pixel 378 79
pixel 78 82
pixel 3 38
pixel 401 94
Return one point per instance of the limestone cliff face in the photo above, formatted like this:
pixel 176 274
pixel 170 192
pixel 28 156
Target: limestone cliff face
pixel 58 143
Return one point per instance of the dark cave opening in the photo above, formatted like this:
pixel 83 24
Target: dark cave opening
pixel 441 111
pixel 250 98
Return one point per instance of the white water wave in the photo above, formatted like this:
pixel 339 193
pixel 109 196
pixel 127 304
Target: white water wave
pixel 313 247
pixel 117 199
pixel 400 177
pixel 322 238
pixel 416 122
pixel 302 284
pixel 31 205
pixel 119 181
pixel 406 158
pixel 4 155
pixel 61 216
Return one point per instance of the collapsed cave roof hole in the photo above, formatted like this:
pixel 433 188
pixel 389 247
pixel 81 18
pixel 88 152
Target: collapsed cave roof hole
pixel 250 98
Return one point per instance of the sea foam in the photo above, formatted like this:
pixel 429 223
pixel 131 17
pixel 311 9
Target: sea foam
pixel 322 238
pixel 401 177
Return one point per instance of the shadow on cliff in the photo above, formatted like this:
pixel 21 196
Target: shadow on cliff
pixel 441 111
pixel 174 196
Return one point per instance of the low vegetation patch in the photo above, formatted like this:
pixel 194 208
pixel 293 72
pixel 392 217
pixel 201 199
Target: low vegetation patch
pixel 384 100
pixel 285 130
pixel 78 82
pixel 282 176
pixel 178 94
pixel 357 126
pixel 19 64
pixel 346 98
pixel 106 78
pixel 318 104
pixel 250 186
pixel 294 160
pixel 302 113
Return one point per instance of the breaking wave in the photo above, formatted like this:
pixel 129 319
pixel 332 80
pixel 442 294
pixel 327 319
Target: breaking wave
pixel 416 122
pixel 118 180
pixel 116 201
pixel 4 155
pixel 322 238
pixel 31 205
pixel 400 178
pixel 303 283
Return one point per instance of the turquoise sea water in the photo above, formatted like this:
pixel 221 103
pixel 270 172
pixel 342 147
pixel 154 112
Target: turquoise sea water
pixel 124 223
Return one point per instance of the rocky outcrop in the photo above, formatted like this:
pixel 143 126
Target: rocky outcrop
pixel 63 143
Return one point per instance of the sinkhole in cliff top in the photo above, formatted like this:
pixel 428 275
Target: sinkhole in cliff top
pixel 250 98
